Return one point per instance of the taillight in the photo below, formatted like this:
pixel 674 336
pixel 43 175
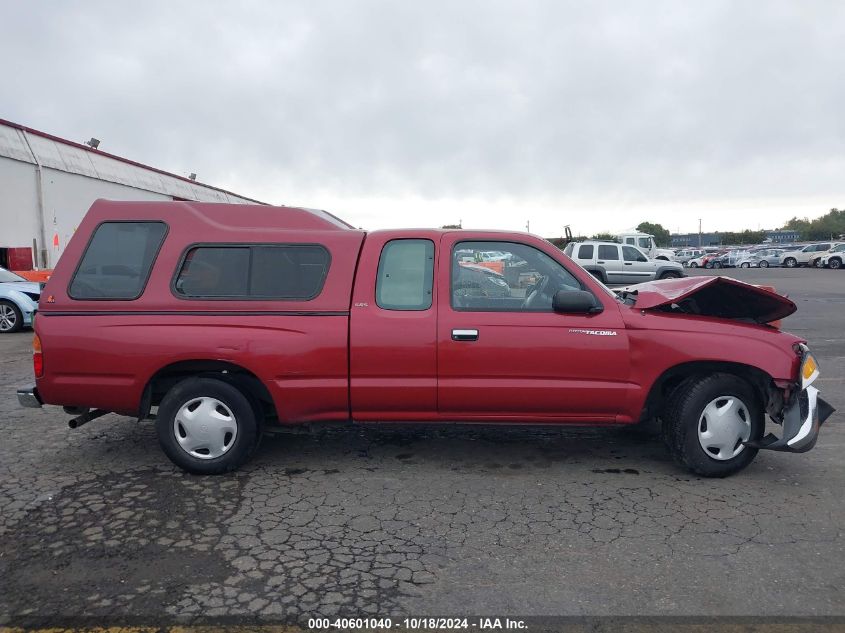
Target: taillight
pixel 37 357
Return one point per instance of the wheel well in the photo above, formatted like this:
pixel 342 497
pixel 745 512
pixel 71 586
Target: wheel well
pixel 166 377
pixel 674 376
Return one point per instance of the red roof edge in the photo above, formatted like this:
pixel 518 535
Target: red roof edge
pixel 82 146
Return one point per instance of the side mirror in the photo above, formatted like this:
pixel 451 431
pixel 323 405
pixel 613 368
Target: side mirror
pixel 575 302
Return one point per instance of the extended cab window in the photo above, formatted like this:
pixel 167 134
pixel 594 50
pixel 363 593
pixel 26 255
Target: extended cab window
pixel 117 261
pixel 405 275
pixel 253 271
pixel 521 278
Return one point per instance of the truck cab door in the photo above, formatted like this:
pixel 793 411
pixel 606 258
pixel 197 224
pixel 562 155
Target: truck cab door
pixel 505 355
pixel 393 329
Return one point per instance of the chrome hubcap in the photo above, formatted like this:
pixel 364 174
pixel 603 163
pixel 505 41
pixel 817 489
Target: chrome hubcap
pixel 724 425
pixel 205 428
pixel 8 318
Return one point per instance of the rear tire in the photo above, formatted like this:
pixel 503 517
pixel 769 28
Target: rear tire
pixel 718 411
pixel 764 263
pixel 692 265
pixel 717 264
pixel 790 262
pixel 11 317
pixel 745 265
pixel 670 275
pixel 207 426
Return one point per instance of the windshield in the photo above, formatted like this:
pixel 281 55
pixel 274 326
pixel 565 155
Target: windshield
pixel 5 275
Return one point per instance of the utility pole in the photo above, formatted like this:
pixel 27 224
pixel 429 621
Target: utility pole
pixel 699 232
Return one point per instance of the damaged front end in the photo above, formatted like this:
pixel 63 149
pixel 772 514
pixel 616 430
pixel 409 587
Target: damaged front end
pixel 798 409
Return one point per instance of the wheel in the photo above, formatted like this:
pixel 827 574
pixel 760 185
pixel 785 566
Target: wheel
pixel 717 264
pixel 764 263
pixel 817 263
pixel 692 265
pixel 707 419
pixel 11 318
pixel 670 275
pixel 835 263
pixel 790 262
pixel 708 265
pixel 745 265
pixel 207 426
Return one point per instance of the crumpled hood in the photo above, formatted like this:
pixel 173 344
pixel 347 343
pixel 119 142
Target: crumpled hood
pixel 22 286
pixel 720 297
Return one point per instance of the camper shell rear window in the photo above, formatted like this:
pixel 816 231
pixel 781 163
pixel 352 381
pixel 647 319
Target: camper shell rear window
pixel 293 272
pixel 117 261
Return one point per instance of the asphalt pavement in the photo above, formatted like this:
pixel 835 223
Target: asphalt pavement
pixel 96 523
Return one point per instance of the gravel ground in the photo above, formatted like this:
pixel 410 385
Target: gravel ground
pixel 419 521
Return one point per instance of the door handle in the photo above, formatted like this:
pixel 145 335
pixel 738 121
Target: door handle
pixel 464 335
pixel 629 263
pixel 599 262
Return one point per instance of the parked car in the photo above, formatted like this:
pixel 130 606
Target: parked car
pixel 221 331
pixel 615 263
pixel 647 244
pixel 762 259
pixel 833 258
pixel 18 301
pixel 818 259
pixel 685 255
pixel 803 255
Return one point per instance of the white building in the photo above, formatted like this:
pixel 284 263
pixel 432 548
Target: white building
pixel 48 183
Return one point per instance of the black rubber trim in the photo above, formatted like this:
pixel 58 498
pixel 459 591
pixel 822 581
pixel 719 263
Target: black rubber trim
pixel 198 313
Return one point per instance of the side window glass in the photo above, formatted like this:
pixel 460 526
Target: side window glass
pixel 253 271
pixel 645 242
pixel 629 240
pixel 117 261
pixel 585 251
pixel 608 251
pixel 631 254
pixel 405 275
pixel 522 279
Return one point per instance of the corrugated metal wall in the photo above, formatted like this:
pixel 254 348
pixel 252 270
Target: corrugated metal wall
pixel 72 179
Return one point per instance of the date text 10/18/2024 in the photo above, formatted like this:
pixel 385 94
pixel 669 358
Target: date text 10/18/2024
pixel 418 623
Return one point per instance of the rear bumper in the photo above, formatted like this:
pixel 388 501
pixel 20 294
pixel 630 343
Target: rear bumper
pixel 801 424
pixel 28 397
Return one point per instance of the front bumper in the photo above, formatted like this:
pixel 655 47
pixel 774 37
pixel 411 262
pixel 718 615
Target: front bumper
pixel 28 397
pixel 801 423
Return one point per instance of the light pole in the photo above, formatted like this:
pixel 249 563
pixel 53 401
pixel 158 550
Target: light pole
pixel 699 232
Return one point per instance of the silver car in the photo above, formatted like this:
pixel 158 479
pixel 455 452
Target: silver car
pixel 18 301
pixel 762 259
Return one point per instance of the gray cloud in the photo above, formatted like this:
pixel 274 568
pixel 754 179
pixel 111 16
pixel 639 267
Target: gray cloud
pixel 648 101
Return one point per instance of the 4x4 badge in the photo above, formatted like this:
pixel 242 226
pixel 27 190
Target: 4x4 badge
pixel 593 332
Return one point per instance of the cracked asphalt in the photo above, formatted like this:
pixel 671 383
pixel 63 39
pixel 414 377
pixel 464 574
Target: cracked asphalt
pixel 420 521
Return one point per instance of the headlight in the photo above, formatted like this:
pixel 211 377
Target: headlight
pixel 809 369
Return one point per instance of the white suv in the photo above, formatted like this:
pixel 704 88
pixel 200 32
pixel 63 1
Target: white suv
pixel 834 258
pixel 615 263
pixel 802 256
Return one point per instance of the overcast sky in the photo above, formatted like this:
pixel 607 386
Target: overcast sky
pixel 594 114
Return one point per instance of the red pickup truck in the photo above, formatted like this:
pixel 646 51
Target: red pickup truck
pixel 225 321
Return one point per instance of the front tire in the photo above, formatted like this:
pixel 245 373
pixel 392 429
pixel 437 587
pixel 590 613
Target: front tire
pixel 11 318
pixel 692 265
pixel 745 265
pixel 706 421
pixel 670 275
pixel 790 262
pixel 764 263
pixel 835 263
pixel 207 426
